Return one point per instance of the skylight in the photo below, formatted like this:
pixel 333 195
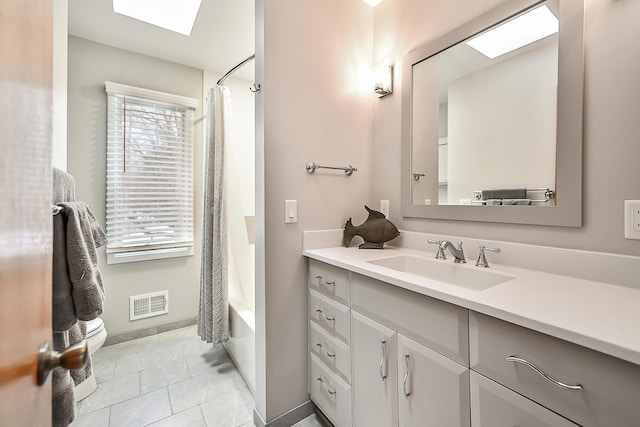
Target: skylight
pixel 174 15
pixel 527 28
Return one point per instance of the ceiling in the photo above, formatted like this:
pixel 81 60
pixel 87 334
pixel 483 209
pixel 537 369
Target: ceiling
pixel 222 36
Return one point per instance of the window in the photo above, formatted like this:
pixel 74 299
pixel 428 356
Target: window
pixel 149 174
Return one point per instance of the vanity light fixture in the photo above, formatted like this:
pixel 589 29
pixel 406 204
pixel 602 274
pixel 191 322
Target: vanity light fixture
pixel 174 15
pixel 372 3
pixel 382 80
pixel 527 28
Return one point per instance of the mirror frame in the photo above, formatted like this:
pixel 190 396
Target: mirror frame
pixel 568 208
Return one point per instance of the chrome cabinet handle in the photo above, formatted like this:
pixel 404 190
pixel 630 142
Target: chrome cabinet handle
pixel 326 387
pixel 543 374
pixel 383 361
pixel 321 347
pixel 329 319
pixel 406 382
pixel 322 279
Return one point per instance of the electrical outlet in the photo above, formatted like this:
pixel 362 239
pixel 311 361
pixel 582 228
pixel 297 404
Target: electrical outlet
pixel 632 219
pixel 384 208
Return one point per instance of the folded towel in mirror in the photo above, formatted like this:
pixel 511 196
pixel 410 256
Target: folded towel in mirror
pixel 505 193
pixel 516 201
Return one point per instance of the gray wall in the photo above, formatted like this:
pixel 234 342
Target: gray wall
pixel 312 57
pixel 611 125
pixel 90 65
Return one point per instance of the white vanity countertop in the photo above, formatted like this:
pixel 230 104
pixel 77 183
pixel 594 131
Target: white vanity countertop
pixel 597 315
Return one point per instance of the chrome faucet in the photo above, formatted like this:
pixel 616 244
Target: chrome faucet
pixel 458 253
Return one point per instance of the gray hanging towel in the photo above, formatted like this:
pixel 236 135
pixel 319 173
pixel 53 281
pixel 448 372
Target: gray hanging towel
pixel 83 237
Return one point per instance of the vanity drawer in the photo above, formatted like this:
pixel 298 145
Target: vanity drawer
pixel 493 405
pixel 333 352
pixel 329 280
pixel 331 315
pixel 610 386
pixel 330 393
pixel 441 326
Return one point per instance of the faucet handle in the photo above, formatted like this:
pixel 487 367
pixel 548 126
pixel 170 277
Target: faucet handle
pixel 440 254
pixel 460 259
pixel 482 259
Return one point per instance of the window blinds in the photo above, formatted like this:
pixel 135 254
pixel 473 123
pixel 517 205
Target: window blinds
pixel 149 169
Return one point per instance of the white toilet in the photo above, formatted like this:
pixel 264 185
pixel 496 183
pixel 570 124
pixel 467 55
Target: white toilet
pixel 96 335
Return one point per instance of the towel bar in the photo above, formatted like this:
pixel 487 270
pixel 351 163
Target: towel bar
pixel 548 194
pixel 348 170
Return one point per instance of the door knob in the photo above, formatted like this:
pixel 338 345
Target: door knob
pixel 72 357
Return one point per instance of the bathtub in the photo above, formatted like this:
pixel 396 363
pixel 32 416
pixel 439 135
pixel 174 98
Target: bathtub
pixel 242 342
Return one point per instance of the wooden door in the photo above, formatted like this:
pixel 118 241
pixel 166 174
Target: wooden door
pixel 25 207
pixel 374 373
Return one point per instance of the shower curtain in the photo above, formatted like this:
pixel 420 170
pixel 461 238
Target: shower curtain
pixel 225 245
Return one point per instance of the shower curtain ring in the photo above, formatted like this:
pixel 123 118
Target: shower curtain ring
pixel 255 88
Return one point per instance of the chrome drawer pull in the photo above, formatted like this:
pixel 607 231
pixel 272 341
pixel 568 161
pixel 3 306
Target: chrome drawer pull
pixel 321 347
pixel 544 374
pixel 406 383
pixel 329 319
pixel 326 387
pixel 383 361
pixel 322 279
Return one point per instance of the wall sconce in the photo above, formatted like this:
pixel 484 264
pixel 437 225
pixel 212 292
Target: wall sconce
pixel 382 80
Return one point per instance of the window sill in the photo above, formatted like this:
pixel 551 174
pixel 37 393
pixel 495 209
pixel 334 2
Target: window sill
pixel 148 255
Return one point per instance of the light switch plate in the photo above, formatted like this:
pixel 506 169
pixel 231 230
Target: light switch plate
pixel 290 211
pixel 632 219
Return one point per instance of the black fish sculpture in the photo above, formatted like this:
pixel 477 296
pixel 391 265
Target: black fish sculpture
pixel 375 231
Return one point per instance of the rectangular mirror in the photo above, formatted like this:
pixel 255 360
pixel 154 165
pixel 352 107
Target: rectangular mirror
pixel 497 135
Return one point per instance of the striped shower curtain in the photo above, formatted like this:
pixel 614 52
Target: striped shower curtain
pixel 213 316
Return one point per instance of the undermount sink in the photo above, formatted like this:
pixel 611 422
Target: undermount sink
pixel 443 271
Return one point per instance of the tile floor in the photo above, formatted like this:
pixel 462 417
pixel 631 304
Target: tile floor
pixel 166 380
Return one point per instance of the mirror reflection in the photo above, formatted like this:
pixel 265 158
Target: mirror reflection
pixel 483 128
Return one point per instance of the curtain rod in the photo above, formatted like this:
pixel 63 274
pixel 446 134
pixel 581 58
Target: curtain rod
pixel 231 71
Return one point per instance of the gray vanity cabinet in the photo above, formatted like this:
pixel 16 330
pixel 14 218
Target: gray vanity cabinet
pixel 436 324
pixel 329 337
pixel 399 382
pixel 381 355
pixel 410 357
pixel 583 385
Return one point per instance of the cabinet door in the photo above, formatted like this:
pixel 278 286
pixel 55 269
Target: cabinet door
pixel 374 373
pixel 433 390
